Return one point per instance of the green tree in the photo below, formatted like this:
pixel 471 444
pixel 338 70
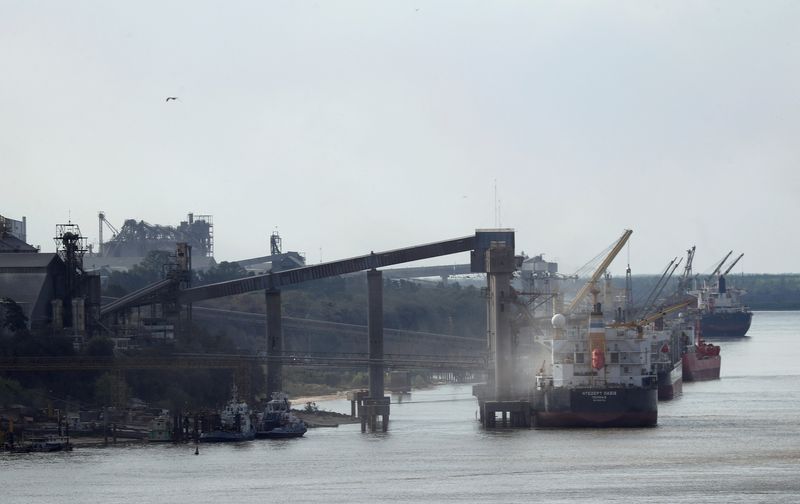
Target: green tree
pixel 222 272
pixel 12 317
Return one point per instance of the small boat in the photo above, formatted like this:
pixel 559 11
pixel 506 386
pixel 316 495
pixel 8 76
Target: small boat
pixel 231 425
pixel 160 429
pixel 277 420
pixel 48 444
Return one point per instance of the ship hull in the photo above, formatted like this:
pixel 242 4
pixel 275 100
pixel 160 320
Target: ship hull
pixel 725 325
pixel 700 368
pixel 226 437
pixel 596 407
pixel 670 383
pixel 280 433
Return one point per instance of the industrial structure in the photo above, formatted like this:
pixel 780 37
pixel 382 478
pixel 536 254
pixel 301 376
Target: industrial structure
pixel 65 298
pixel 131 243
pixel 13 236
pixel 53 290
pixel 277 260
pixel 499 244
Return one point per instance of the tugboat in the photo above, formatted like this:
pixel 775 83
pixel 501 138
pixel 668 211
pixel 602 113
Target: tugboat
pixel 277 420
pixel 231 425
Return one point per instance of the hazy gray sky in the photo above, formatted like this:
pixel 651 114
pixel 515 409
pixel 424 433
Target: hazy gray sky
pixel 358 126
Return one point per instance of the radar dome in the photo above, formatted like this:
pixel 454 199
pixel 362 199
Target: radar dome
pixel 559 321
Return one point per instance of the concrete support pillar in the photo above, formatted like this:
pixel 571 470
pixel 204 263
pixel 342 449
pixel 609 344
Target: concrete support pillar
pixel 499 268
pixel 375 328
pixel 376 405
pixel 274 342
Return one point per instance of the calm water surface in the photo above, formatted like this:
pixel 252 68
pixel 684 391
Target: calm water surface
pixel 727 441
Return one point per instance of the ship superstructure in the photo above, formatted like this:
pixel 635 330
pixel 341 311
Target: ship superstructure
pixel 600 376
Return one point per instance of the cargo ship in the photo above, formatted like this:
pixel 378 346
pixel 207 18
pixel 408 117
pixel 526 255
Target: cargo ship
pixel 701 360
pixel 668 365
pixel 603 380
pixel 722 313
pixel 667 353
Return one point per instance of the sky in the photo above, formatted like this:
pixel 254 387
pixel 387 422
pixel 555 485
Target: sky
pixel 352 127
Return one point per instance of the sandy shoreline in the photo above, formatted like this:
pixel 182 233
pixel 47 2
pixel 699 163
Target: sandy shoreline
pixel 299 402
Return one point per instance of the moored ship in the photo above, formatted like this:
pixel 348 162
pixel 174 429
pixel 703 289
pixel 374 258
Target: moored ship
pixel 701 360
pixel 232 424
pixel 722 313
pixel 667 352
pixel 668 366
pixel 603 380
pixel 160 429
pixel 277 420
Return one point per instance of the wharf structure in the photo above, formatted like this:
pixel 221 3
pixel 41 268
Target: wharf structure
pixel 69 298
pixel 173 292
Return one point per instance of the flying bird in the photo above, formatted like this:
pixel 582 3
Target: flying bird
pixel 171 98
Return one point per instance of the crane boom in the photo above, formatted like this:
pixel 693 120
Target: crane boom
pixel 657 315
pixel 653 295
pixel 732 265
pixel 599 271
pixel 683 281
pixel 687 269
pixel 719 266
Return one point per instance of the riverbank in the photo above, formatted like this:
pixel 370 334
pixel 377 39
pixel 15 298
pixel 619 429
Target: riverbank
pixel 306 409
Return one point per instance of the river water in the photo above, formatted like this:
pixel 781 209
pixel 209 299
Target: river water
pixel 727 441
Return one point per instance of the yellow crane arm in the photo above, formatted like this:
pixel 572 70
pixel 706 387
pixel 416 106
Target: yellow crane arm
pixel 599 271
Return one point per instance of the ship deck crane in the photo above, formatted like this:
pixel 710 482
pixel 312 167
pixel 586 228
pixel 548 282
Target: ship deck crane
pixel 659 287
pixel 733 264
pixel 591 284
pixel 683 282
pixel 719 266
pixel 657 315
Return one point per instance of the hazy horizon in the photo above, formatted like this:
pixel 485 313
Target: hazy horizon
pixel 359 126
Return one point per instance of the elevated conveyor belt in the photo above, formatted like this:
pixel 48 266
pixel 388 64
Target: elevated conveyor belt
pixel 137 298
pixel 325 270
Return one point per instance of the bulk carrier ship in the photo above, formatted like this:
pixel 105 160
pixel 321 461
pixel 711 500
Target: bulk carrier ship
pixel 722 313
pixel 585 390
